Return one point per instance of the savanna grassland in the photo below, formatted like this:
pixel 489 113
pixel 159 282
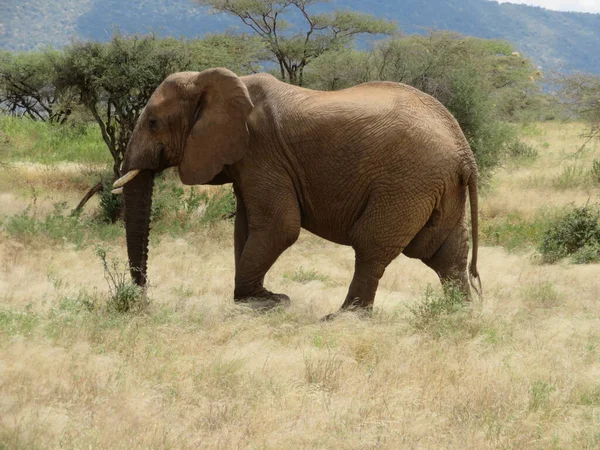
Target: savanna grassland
pixel 518 368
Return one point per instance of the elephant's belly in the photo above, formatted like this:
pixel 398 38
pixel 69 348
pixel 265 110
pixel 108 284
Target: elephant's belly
pixel 327 230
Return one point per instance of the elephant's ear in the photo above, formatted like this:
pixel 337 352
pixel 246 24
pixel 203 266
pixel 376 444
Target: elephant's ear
pixel 219 134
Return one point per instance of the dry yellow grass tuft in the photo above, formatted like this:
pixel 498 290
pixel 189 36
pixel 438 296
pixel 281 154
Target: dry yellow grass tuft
pixel 519 368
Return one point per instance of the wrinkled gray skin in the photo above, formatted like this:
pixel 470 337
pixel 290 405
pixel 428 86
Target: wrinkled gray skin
pixel 381 167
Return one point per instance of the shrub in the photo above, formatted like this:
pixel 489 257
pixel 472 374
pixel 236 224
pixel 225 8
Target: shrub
pixel 572 176
pixel 124 295
pixel 110 204
pixel 570 233
pixel 518 149
pixel 219 206
pixel 174 209
pixel 434 307
pixel 588 254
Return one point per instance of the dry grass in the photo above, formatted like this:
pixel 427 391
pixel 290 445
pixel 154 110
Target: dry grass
pixel 519 369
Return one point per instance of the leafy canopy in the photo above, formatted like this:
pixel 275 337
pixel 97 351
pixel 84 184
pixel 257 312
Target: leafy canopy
pixel 294 47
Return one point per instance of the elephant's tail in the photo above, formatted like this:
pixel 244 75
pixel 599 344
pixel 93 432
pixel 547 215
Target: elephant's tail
pixel 474 202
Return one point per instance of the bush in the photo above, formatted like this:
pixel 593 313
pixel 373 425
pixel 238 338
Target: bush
pixel 518 149
pixel 575 232
pixel 435 308
pixel 110 204
pixel 588 254
pixel 125 296
pixel 175 209
pixel 219 206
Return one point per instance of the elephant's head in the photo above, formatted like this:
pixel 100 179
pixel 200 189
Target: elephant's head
pixel 195 121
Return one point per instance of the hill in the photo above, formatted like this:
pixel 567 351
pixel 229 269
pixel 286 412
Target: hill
pixel 555 40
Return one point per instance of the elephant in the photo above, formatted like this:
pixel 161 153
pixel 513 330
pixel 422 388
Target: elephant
pixel 381 167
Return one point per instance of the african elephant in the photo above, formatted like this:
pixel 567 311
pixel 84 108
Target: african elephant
pixel 381 167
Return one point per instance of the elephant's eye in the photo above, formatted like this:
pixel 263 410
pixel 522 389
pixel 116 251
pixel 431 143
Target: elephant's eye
pixel 153 123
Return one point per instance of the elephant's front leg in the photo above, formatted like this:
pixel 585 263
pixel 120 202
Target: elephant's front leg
pixel 257 247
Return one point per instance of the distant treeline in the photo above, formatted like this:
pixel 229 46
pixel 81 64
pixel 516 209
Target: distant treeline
pixel 484 83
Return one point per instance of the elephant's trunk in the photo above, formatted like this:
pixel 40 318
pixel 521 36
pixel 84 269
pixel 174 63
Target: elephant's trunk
pixel 138 203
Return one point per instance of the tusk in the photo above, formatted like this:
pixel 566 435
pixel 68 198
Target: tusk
pixel 126 178
pixel 117 191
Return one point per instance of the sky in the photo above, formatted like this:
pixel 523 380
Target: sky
pixel 591 6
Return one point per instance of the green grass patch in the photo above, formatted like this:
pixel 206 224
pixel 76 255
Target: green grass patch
pixel 17 322
pixel 59 227
pixel 513 232
pixel 572 176
pixel 542 295
pixel 590 397
pixel 26 140
pixel 303 276
pixel 539 394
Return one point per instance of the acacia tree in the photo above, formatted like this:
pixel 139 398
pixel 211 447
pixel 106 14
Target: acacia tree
pixel 580 96
pixel 27 87
pixel 294 47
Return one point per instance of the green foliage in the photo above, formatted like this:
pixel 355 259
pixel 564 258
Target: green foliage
pixel 31 141
pixel 521 151
pixel 17 322
pixel 58 227
pixel 219 206
pixel 557 40
pixel 292 48
pixel 124 295
pixel 588 254
pixel 579 94
pixel 110 204
pixel 115 80
pixel 27 87
pixel 574 231
pixel 437 310
pixel 512 231
pixel 300 275
pixel 175 209
pixel 572 176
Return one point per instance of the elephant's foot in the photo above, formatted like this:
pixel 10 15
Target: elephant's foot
pixel 263 301
pixel 362 311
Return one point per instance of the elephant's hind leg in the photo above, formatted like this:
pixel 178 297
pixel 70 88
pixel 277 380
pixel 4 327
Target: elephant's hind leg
pixel 378 237
pixel 451 259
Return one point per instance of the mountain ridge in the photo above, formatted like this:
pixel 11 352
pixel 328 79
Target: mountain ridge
pixel 555 40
